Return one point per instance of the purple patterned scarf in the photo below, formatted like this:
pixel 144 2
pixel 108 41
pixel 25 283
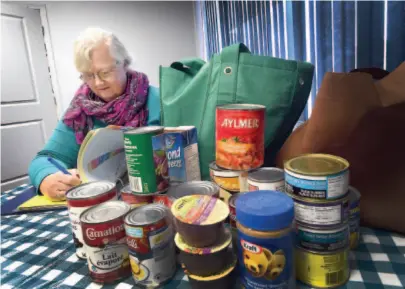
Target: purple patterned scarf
pixel 129 109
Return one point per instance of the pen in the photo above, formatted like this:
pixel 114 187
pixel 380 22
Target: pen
pixel 58 166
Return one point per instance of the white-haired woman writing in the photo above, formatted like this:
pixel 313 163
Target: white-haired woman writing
pixel 111 94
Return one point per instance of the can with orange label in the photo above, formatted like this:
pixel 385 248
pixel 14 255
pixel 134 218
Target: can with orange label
pixel 240 136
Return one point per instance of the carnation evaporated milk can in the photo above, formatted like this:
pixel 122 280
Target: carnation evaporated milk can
pixel 83 197
pixel 240 136
pixel 105 240
pixel 146 160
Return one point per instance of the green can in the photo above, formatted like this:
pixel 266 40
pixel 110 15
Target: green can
pixel 146 160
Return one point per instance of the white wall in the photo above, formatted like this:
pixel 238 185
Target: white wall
pixel 155 33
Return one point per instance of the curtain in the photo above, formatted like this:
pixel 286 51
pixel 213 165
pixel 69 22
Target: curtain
pixel 333 35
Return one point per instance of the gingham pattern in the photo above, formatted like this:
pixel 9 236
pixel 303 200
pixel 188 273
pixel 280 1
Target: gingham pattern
pixel 37 251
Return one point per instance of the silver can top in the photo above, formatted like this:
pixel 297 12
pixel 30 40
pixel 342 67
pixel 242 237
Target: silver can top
pixel 105 212
pixel 266 175
pixel 90 190
pixel 194 188
pixel 146 215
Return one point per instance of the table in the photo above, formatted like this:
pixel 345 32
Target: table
pixel 37 251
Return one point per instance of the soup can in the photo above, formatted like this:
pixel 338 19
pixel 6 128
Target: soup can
pixel 83 197
pixel 317 176
pixel 322 270
pixel 105 240
pixel 151 246
pixel 145 154
pixel 135 200
pixel 354 217
pixel 240 136
pixel 266 179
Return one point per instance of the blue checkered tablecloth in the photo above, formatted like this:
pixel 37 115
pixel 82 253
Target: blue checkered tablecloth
pixel 37 251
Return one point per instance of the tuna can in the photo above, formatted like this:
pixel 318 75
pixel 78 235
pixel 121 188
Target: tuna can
pixel 265 248
pixel 134 200
pixel 105 240
pixel 266 179
pixel 321 214
pixel 186 189
pixel 151 245
pixel 317 176
pixel 330 240
pixel 354 217
pixel 146 160
pixel 327 270
pixel 226 179
pixel 83 197
pixel 240 136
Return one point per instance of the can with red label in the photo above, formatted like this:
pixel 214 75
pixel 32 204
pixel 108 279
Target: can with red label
pixel 83 197
pixel 135 200
pixel 105 240
pixel 151 245
pixel 240 136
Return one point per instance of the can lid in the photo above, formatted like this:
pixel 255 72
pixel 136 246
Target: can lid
pixel 89 190
pixel 223 242
pixel 264 175
pixel 265 210
pixel 105 212
pixel 220 172
pixel 200 210
pixel 145 215
pixel 242 106
pixel 317 164
pixel 145 129
pixel 233 198
pixel 194 188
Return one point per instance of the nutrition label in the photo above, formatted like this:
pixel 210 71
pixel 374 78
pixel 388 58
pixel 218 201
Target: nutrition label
pixel 315 215
pixel 337 185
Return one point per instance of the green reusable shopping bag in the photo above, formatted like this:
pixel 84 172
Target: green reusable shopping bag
pixel 191 89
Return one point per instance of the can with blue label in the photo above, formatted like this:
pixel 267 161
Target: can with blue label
pixel 354 217
pixel 326 240
pixel 265 240
pixel 317 176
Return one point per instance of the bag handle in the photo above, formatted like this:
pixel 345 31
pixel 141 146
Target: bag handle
pixel 189 65
pixel 228 76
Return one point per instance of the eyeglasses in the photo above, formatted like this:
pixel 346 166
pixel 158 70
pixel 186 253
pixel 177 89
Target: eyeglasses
pixel 103 75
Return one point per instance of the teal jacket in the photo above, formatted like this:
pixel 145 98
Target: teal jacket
pixel 62 145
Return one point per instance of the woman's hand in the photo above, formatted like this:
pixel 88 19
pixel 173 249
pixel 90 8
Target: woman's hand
pixel 55 186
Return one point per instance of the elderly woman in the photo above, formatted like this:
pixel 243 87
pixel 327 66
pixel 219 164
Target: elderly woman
pixel 111 94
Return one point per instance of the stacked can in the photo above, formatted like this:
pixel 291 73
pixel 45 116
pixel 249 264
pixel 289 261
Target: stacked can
pixel 239 146
pixel 203 241
pixel 146 159
pixel 319 184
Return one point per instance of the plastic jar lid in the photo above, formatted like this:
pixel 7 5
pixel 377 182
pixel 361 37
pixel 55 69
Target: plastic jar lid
pixel 265 210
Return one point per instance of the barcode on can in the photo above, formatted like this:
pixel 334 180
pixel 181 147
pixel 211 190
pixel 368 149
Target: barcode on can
pixel 136 184
pixel 334 278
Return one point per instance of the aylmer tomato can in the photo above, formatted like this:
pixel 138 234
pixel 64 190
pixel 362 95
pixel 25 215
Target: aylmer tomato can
pixel 105 239
pixel 240 136
pixel 83 197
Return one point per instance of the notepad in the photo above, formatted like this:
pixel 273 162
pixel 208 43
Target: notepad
pixel 102 156
pixel 41 202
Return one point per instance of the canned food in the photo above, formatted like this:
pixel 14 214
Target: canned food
pixel 317 176
pixel 105 239
pixel 151 245
pixel 266 179
pixel 240 136
pixel 187 189
pixel 329 240
pixel 83 197
pixel 327 270
pixel 354 217
pixel 321 213
pixel 226 179
pixel 232 220
pixel 265 249
pixel 134 200
pixel 146 159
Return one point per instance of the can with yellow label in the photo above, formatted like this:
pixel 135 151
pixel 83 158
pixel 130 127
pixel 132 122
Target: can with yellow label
pixel 327 270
